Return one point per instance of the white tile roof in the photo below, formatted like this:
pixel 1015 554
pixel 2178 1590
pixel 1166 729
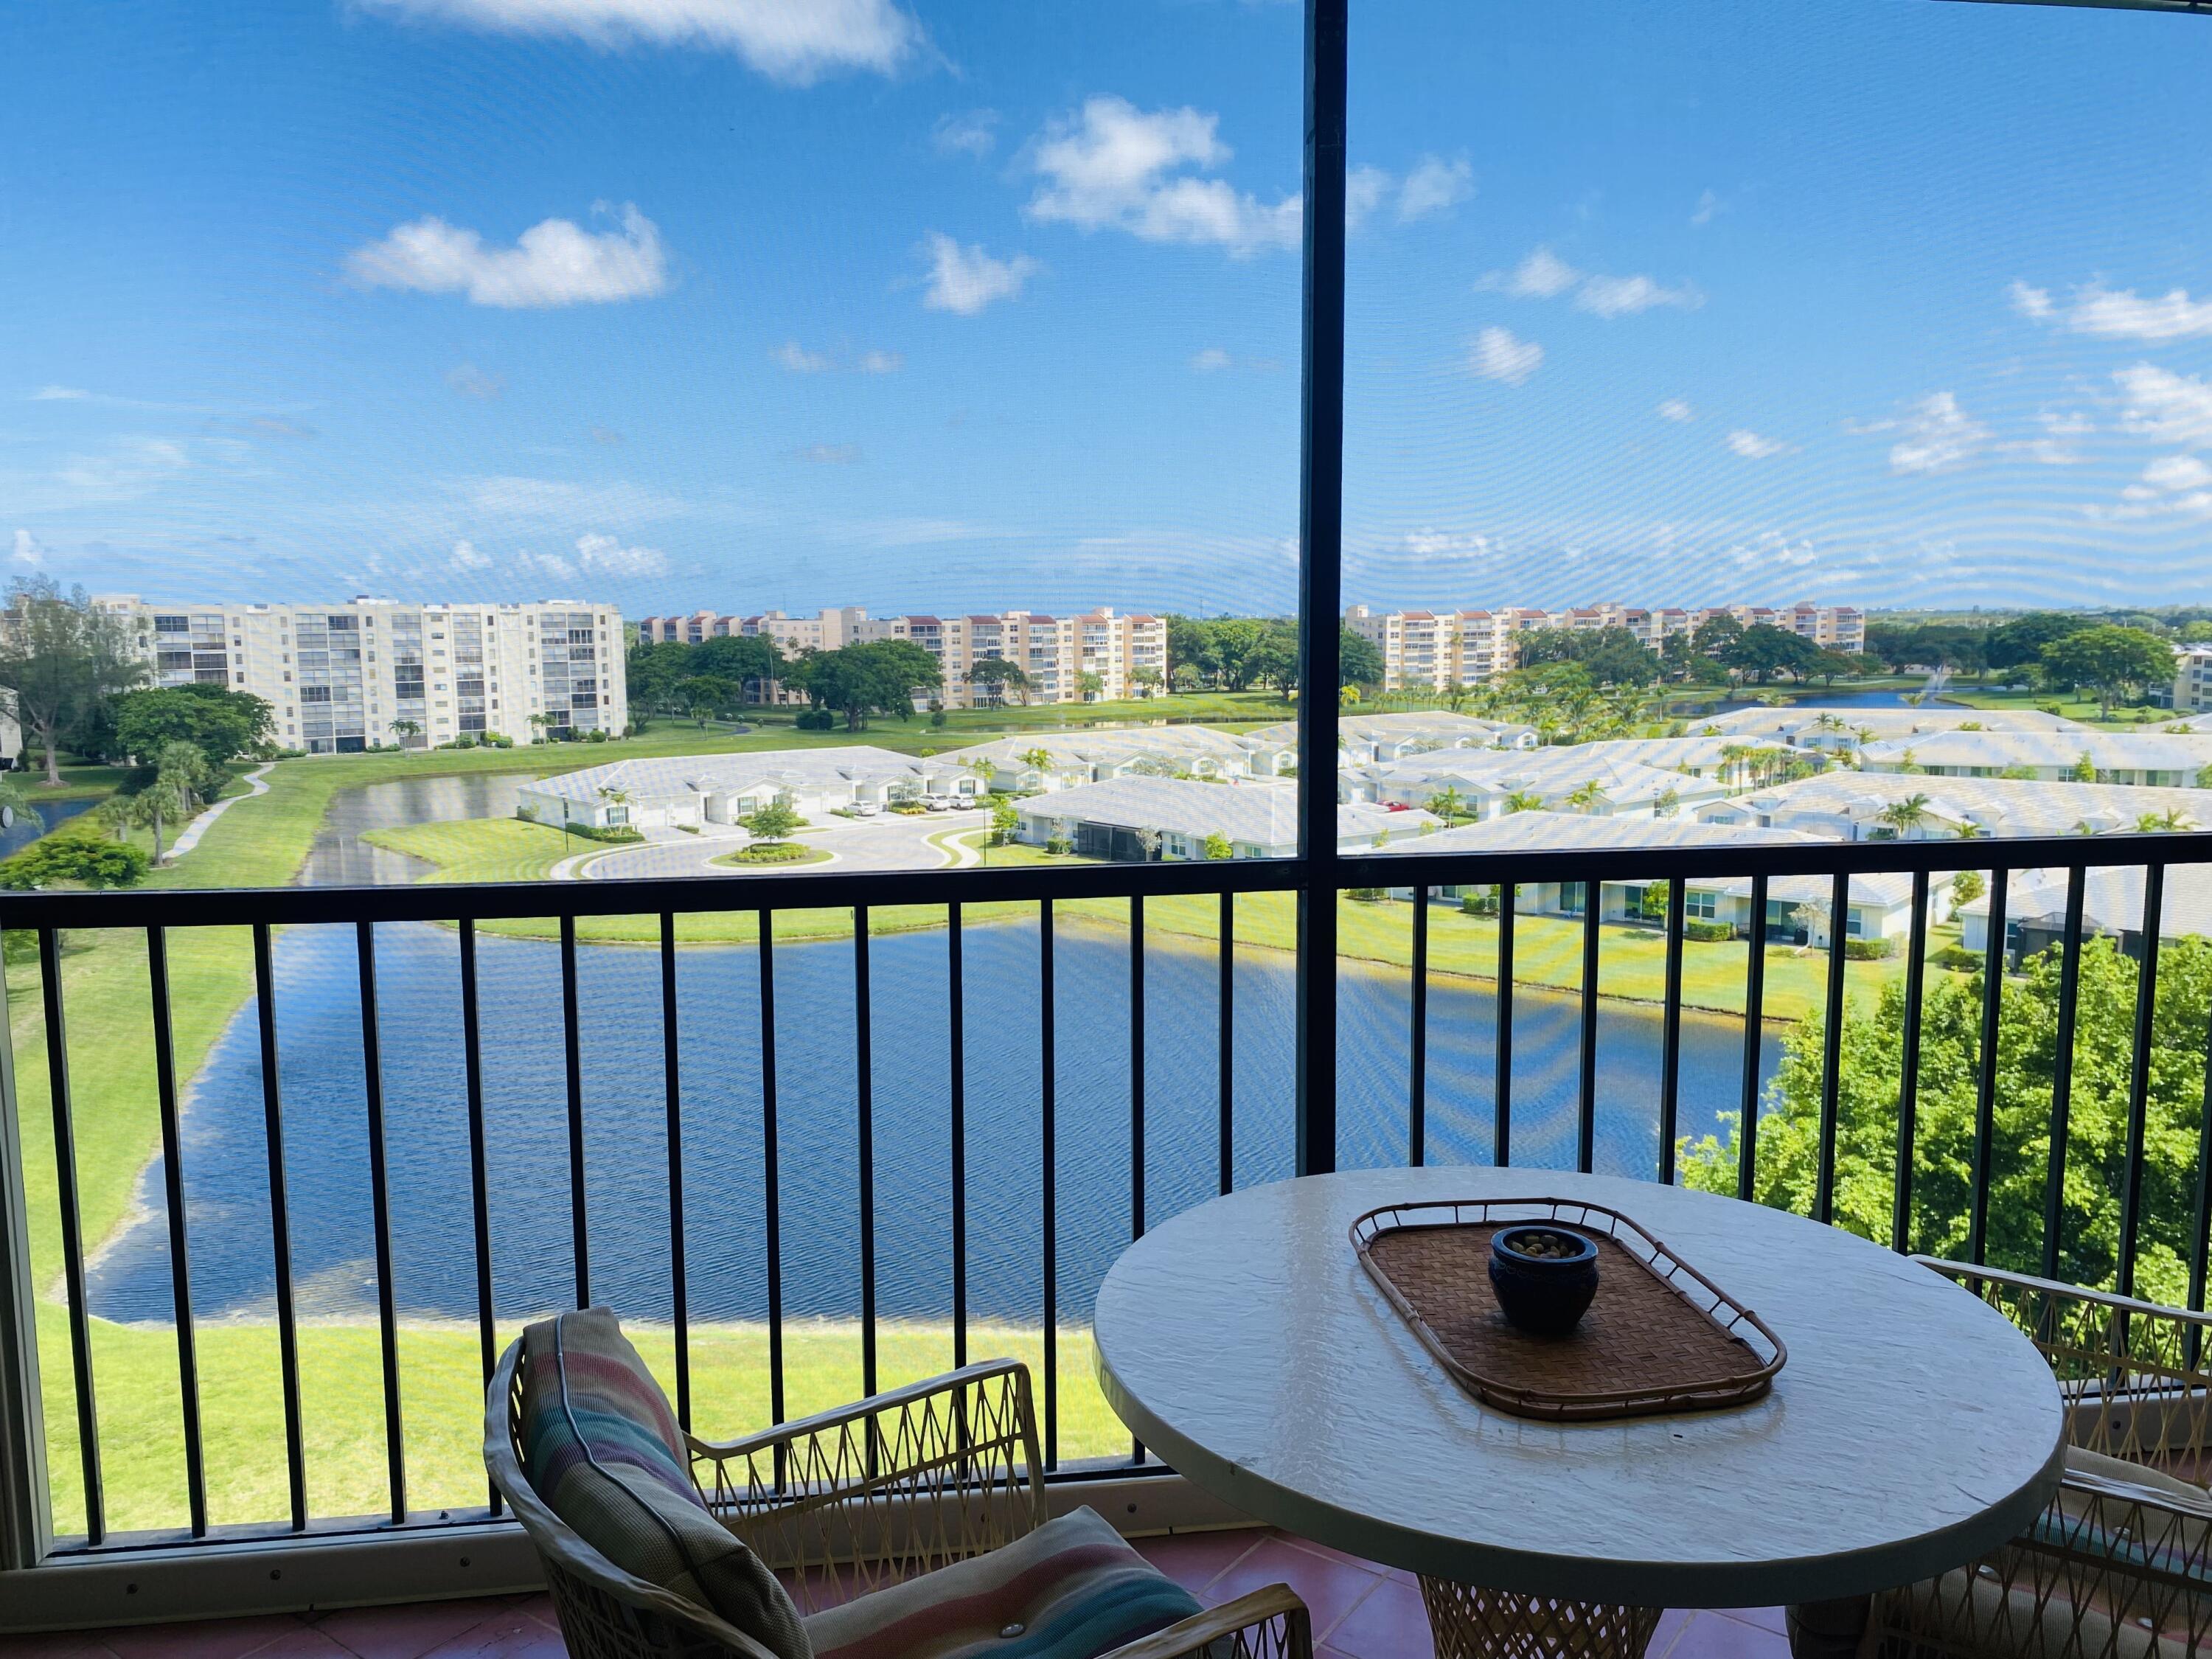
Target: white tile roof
pixel 2002 806
pixel 1541 831
pixel 2108 751
pixel 1260 814
pixel 679 776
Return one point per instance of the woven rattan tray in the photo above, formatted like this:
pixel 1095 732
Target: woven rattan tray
pixel 1659 1337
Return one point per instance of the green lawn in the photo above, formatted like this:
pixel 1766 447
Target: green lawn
pixel 483 850
pixel 441 1396
pixel 2073 707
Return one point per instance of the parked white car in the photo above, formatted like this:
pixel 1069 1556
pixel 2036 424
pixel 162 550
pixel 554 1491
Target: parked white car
pixel 936 803
pixel 866 809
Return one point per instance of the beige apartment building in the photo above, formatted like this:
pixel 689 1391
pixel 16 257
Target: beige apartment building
pixel 341 678
pixel 1053 652
pixel 1445 648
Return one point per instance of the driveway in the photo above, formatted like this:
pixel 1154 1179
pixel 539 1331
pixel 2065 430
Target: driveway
pixel 889 843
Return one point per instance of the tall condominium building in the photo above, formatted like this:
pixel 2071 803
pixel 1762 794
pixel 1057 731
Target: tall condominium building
pixel 1125 652
pixel 2192 679
pixel 1445 648
pixel 341 678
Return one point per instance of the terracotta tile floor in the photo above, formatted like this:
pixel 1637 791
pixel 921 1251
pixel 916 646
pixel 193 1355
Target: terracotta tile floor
pixel 1360 1611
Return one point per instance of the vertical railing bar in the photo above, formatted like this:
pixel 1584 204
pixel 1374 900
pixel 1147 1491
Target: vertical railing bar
pixel 771 1178
pixel 379 1194
pixel 2154 917
pixel 1417 1086
pixel 573 1041
pixel 1755 1040
pixel 180 1272
pixel 280 1225
pixel 72 1224
pixel 1985 1083
pixel 671 1080
pixel 1670 1031
pixel 865 1113
pixel 1048 1158
pixel 1226 1009
pixel 2061 1068
pixel 479 1156
pixel 1908 1082
pixel 2200 1225
pixel 1501 1152
pixel 1136 1093
pixel 956 1041
pixel 1832 1047
pixel 1586 1087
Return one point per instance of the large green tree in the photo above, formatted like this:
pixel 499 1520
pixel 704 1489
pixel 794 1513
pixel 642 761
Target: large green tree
pixel 60 661
pixel 1944 1142
pixel 2114 662
pixel 857 681
pixel 222 724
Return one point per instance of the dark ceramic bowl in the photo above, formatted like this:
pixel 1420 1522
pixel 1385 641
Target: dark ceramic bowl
pixel 1547 1294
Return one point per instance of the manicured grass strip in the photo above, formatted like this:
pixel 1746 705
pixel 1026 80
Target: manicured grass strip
pixel 483 850
pixel 441 1390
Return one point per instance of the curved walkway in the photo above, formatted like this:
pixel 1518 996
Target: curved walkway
pixel 188 836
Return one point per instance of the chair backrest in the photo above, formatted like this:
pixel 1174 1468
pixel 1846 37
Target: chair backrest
pixel 605 1612
pixel 2137 1376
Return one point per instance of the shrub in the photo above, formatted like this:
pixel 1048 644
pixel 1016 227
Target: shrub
pixel 1058 844
pixel 1710 932
pixel 614 832
pixel 907 809
pixel 1868 949
pixel 816 720
pixel 92 861
pixel 595 735
pixel 773 852
pixel 1958 958
pixel 1480 902
pixel 1368 895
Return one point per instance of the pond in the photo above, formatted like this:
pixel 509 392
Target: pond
pixel 626 1183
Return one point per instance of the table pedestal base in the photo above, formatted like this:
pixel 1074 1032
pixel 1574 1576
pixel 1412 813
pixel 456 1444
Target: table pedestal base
pixel 1470 1622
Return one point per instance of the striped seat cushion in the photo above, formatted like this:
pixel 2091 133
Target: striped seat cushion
pixel 1071 1590
pixel 603 1449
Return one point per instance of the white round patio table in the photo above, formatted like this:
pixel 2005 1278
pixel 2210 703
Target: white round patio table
pixel 1912 1430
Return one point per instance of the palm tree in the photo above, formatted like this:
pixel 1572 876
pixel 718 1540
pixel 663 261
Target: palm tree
pixel 1905 816
pixel 1970 831
pixel 171 796
pixel 1524 801
pixel 1447 804
pixel 2170 822
pixel 404 730
pixel 1584 798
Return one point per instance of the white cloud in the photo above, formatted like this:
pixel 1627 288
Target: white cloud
pixel 1211 360
pixel 1499 354
pixel 1363 190
pixel 1708 208
pixel 2177 472
pixel 1433 186
pixel 2172 486
pixel 1430 544
pixel 799 360
pixel 2118 313
pixel 554 263
pixel 2056 448
pixel 1935 435
pixel 965 279
pixel 881 362
pixel 543 564
pixel 1115 165
pixel 975 133
pixel 1627 296
pixel 60 394
pixel 1677 408
pixel 2159 404
pixel 29 550
pixel 1753 447
pixel 606 556
pixel 1544 276
pixel 466 558
pixel 473 382
pixel 129 468
pixel 830 454
pixel 1541 275
pixel 796 41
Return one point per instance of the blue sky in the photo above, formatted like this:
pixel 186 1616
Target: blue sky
pixel 958 303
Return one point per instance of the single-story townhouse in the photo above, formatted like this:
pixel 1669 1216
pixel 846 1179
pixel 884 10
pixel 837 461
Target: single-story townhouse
pixel 2150 760
pixel 2112 903
pixel 1142 818
pixel 1573 778
pixel 1869 806
pixel 1040 761
pixel 1796 906
pixel 1379 739
pixel 675 791
pixel 1735 762
pixel 1843 730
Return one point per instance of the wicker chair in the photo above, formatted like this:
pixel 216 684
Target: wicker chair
pixel 849 1501
pixel 2120 1565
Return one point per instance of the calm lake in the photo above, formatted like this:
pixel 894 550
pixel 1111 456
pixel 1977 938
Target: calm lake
pixel 626 1185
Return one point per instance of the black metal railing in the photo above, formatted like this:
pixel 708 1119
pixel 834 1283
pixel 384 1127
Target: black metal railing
pixel 159 915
